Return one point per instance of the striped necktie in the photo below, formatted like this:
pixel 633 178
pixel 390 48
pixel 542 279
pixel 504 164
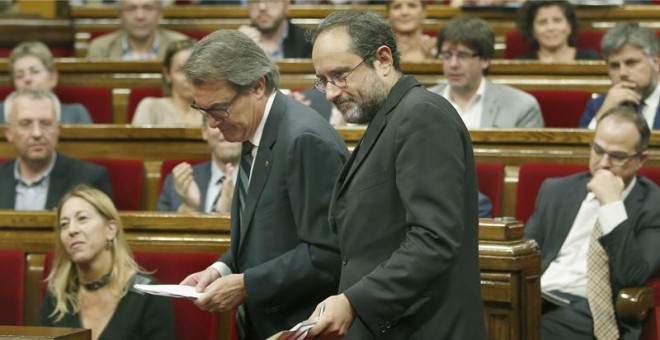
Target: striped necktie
pixel 244 179
pixel 599 289
pixel 214 206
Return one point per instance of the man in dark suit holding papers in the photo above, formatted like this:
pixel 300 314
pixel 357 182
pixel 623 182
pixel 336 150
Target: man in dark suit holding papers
pixel 283 258
pixel 405 205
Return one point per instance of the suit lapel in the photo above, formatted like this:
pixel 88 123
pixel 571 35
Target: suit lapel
pixel 376 127
pixel 58 183
pixel 490 107
pixel 8 187
pixel 263 161
pixel 202 178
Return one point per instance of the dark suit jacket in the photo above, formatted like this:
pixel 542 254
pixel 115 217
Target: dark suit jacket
pixel 594 104
pixel 288 254
pixel 632 247
pixel 169 200
pixel 67 173
pixel 405 211
pixel 295 44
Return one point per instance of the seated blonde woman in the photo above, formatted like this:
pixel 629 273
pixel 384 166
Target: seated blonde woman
pixel 173 110
pixel 93 273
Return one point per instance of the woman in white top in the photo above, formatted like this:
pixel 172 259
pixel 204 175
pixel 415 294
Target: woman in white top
pixel 173 110
pixel 407 19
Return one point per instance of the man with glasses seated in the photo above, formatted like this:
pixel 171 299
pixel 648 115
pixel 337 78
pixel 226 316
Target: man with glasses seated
pixel 466 46
pixel 598 231
pixel 39 176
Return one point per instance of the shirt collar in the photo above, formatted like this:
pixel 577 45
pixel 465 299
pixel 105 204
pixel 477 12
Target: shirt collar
pixel 256 138
pixel 129 55
pixel 17 175
pixel 481 90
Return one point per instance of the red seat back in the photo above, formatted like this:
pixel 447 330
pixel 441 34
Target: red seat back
pixel 491 183
pixel 515 45
pixel 169 164
pixel 136 95
pixel 530 178
pixel 172 268
pixel 652 173
pixel 126 179
pixel 12 262
pixel 97 100
pixel 561 108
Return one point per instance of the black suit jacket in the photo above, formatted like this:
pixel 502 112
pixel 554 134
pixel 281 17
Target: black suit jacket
pixel 405 211
pixel 66 174
pixel 295 44
pixel 632 247
pixel 288 254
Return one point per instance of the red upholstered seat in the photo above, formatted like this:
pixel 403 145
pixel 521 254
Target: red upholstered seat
pixel 491 183
pixel 97 100
pixel 561 108
pixel 127 179
pixel 172 268
pixel 515 45
pixel 136 95
pixel 12 286
pixel 169 164
pixel 530 178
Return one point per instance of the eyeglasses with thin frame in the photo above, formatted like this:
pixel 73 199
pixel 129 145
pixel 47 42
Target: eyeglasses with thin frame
pixel 460 56
pixel 616 158
pixel 29 125
pixel 217 113
pixel 339 81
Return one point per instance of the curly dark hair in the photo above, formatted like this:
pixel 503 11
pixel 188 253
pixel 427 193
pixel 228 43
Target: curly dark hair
pixel 527 14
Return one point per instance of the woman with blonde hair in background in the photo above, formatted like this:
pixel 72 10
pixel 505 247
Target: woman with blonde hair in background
pixel 93 272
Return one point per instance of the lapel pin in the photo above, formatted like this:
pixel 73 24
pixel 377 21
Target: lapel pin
pixel 267 164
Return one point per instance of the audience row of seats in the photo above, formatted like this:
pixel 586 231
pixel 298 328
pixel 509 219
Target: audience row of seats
pixel 560 108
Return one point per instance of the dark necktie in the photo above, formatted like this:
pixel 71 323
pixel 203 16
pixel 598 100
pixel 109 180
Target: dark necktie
pixel 214 206
pixel 244 179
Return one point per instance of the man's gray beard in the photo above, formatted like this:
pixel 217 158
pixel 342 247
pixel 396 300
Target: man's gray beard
pixel 365 110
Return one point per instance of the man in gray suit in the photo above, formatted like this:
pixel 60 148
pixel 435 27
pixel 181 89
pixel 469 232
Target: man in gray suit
pixel 283 258
pixel 39 176
pixel 624 206
pixel 466 46
pixel 405 205
pixel 204 187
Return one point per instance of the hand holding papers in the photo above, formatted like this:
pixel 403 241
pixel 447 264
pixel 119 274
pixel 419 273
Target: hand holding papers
pixel 299 331
pixel 178 291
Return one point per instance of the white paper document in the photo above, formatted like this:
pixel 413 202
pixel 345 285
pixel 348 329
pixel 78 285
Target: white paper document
pixel 178 291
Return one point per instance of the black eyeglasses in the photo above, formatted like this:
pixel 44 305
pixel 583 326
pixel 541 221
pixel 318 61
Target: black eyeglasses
pixel 616 158
pixel 461 56
pixel 216 113
pixel 339 81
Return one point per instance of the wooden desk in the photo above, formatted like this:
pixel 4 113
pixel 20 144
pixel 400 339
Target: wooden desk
pixel 44 333
pixel 511 147
pixel 510 265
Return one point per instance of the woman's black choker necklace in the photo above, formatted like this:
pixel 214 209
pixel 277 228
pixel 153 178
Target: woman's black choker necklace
pixel 92 286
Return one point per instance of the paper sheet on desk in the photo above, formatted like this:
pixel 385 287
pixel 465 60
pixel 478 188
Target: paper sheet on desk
pixel 298 332
pixel 178 291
